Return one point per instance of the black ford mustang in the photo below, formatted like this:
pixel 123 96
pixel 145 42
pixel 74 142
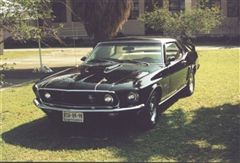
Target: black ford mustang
pixel 124 75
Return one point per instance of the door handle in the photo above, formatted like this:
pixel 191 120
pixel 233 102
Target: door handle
pixel 184 62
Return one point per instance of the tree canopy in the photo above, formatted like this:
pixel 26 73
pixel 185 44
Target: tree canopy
pixel 21 17
pixel 190 22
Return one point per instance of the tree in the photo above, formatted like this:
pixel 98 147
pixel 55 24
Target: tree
pixel 189 22
pixel 26 19
pixel 103 18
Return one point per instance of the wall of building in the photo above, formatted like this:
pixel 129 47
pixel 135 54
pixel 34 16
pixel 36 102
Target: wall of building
pixel 134 26
pixel 230 25
pixel 70 28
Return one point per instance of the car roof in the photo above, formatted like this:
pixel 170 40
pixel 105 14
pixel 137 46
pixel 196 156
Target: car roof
pixel 140 39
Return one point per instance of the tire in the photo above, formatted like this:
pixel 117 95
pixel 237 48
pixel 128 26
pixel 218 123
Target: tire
pixel 148 118
pixel 190 87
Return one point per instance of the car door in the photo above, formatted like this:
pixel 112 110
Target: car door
pixel 176 66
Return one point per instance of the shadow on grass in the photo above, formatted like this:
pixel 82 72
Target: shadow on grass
pixel 212 134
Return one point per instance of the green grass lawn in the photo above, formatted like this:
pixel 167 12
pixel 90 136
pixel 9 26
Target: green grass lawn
pixel 203 127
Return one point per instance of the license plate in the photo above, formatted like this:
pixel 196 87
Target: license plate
pixel 73 117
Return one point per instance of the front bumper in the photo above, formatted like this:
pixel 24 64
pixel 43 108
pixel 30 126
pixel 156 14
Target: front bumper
pixel 86 109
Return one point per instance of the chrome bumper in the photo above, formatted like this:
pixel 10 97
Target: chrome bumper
pixel 45 107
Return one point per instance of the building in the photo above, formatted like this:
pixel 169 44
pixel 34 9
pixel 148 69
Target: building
pixel 66 13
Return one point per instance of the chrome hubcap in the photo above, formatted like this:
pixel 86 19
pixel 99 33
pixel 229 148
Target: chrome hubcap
pixel 191 85
pixel 153 110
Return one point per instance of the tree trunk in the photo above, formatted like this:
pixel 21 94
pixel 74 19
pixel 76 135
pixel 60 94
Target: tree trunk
pixel 1 41
pixel 104 18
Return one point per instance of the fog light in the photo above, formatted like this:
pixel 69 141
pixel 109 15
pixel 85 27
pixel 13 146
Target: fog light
pixel 108 98
pixel 47 95
pixel 133 97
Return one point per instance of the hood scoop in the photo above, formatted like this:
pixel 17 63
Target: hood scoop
pixel 111 68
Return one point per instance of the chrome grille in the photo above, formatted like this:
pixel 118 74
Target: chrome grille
pixel 77 97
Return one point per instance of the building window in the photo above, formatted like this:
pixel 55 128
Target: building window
pixel 211 3
pixel 59 11
pixel 216 3
pixel 135 10
pixel 232 8
pixel 176 5
pixel 149 4
pixel 76 5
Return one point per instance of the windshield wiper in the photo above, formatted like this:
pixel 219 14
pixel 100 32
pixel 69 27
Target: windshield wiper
pixel 119 61
pixel 134 61
pixel 104 60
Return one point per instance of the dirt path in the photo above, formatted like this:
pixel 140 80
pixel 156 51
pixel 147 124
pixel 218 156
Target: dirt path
pixel 50 58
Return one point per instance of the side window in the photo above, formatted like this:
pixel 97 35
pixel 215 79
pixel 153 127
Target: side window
pixel 104 52
pixel 172 51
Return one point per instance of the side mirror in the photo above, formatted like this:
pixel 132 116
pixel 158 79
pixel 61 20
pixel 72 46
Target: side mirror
pixel 171 58
pixel 83 58
pixel 191 57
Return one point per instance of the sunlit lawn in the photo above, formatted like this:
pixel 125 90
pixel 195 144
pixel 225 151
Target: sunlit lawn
pixel 203 127
pixel 19 54
pixel 51 57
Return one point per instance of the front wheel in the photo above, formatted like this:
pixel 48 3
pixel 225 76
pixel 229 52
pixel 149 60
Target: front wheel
pixel 149 116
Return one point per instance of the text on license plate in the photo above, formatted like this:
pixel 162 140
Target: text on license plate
pixel 73 117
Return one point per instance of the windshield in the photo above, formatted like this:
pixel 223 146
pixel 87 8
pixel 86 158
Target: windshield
pixel 133 52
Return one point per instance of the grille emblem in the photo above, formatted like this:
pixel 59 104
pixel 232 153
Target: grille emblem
pixel 91 98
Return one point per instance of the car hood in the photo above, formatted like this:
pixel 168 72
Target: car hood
pixel 103 76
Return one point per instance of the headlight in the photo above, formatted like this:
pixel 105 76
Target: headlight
pixel 47 95
pixel 108 98
pixel 133 97
pixel 35 87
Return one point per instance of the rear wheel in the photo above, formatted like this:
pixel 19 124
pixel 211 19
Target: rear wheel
pixel 149 116
pixel 189 89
